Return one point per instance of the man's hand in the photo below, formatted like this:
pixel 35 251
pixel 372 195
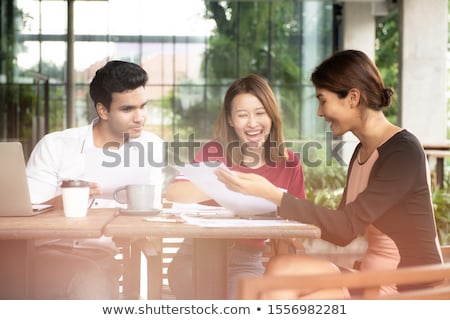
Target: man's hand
pixel 94 189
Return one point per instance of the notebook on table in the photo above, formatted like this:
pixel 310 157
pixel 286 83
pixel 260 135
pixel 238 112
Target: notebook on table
pixel 14 195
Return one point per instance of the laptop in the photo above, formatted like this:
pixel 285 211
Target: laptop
pixel 14 195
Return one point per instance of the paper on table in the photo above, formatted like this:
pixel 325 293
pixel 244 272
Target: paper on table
pixel 178 210
pixel 234 222
pixel 197 209
pixel 202 175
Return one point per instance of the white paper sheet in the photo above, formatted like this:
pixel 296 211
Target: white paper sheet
pixel 202 175
pixel 111 178
pixel 226 222
pixel 215 217
pixel 197 209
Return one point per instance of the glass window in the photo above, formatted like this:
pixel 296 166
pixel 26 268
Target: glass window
pixel 29 16
pixel 90 55
pixel 92 17
pixel 30 56
pixel 192 50
pixel 53 17
pixel 53 59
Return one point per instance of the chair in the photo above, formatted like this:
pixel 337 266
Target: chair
pixel 369 282
pixel 285 246
pixel 157 265
pixel 159 253
pixel 129 283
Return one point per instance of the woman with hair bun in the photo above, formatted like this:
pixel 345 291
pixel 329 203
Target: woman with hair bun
pixel 387 194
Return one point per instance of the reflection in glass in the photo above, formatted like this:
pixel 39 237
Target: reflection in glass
pixel 192 50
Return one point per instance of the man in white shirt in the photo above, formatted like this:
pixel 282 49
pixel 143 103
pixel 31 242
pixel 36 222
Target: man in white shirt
pixel 112 151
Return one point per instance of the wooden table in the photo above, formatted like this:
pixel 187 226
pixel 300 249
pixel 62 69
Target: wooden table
pixel 209 247
pixel 16 243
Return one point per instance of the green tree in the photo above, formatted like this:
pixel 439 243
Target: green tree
pixel 387 57
pixel 16 100
pixel 254 37
pixel 260 37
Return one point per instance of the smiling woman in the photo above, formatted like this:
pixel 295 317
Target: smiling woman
pixel 250 120
pixel 248 138
pixel 387 195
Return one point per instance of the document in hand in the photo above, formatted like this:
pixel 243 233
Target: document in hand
pixel 202 175
pixel 110 175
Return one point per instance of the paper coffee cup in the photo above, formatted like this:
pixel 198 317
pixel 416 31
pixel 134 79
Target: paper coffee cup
pixel 75 197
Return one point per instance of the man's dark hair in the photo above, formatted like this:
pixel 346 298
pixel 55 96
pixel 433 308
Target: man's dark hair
pixel 116 76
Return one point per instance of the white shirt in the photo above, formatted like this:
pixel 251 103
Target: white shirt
pixel 71 154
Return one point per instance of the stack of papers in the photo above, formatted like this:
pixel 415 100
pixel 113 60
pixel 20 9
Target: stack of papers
pixel 215 217
pixel 197 209
pixel 202 175
pixel 226 222
pixel 178 211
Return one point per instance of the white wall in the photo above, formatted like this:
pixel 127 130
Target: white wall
pixel 423 40
pixel 423 62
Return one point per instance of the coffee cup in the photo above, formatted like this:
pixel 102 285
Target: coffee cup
pixel 75 197
pixel 140 197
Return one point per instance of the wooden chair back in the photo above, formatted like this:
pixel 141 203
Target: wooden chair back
pixel 368 282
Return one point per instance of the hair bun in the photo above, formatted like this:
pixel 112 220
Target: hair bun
pixel 386 96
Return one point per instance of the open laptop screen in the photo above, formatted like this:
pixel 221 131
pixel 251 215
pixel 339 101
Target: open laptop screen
pixel 14 194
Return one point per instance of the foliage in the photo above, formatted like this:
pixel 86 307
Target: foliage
pixel 387 57
pixel 324 184
pixel 56 108
pixel 198 119
pixel 250 37
pixel 441 203
pixel 253 37
pixel 18 101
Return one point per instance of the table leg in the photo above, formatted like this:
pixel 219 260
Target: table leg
pixel 209 269
pixel 15 265
pixel 132 270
